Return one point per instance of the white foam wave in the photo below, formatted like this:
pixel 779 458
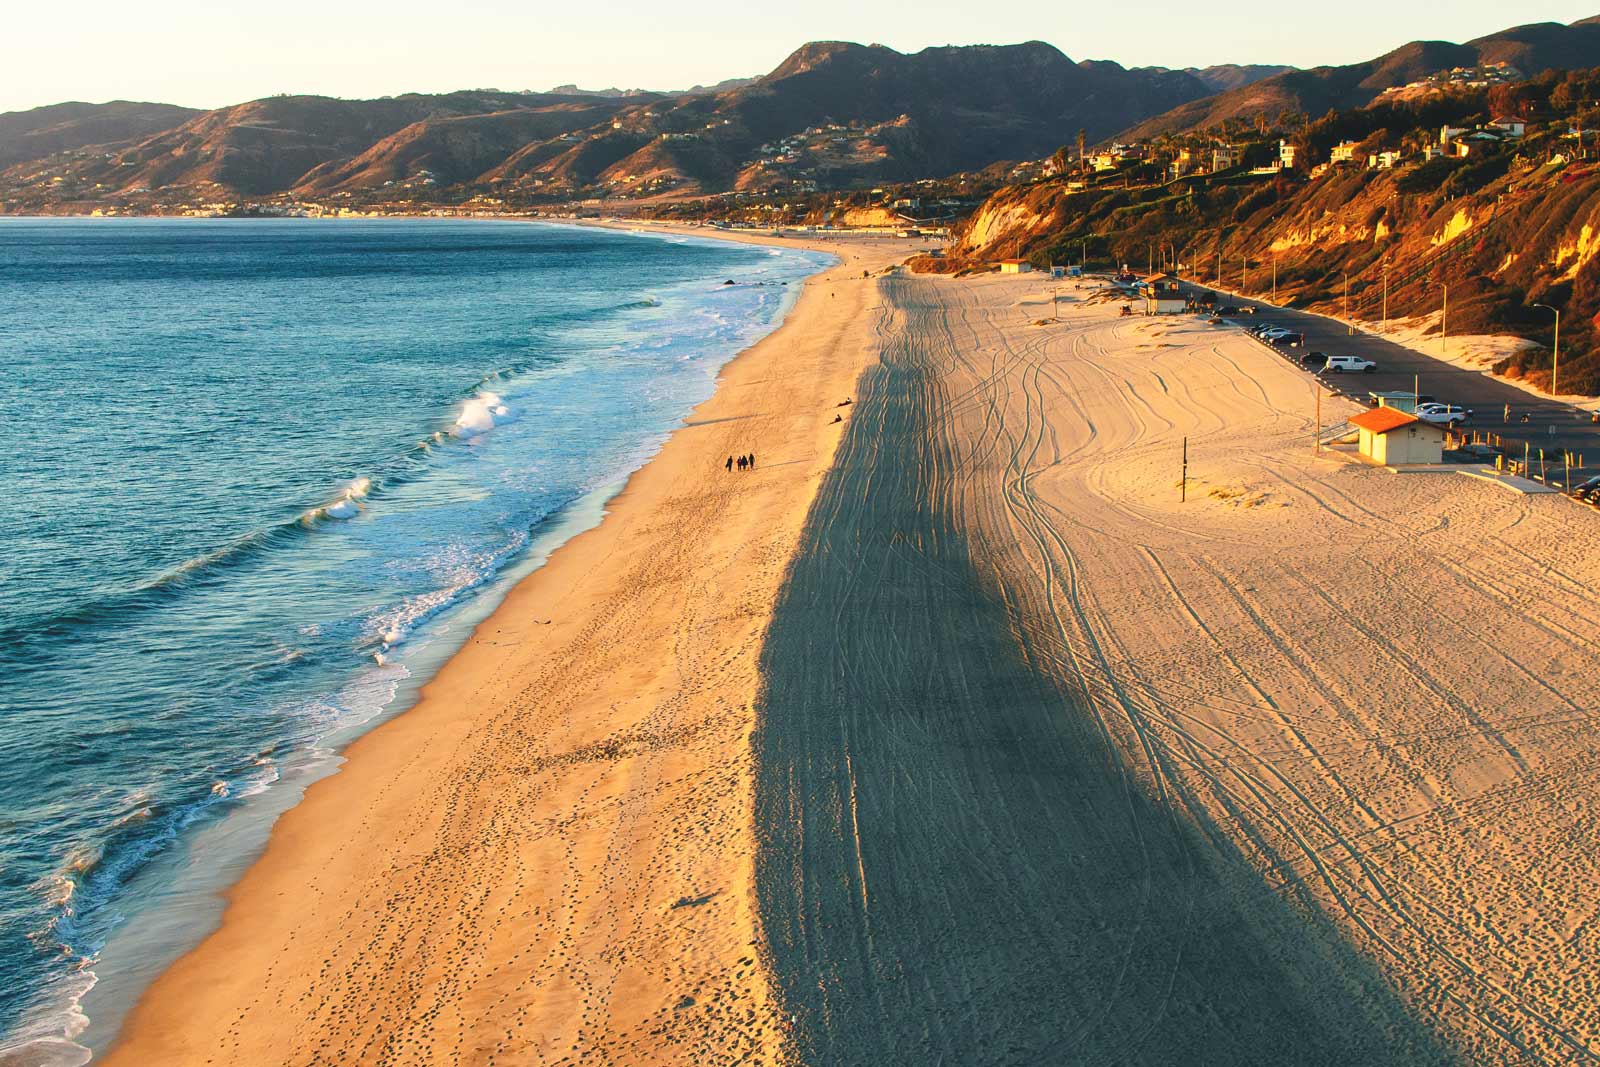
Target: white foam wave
pixel 479 414
pixel 46 1037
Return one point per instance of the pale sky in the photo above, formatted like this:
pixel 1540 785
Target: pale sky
pixel 226 52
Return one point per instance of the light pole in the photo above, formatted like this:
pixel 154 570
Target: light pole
pixel 1347 323
pixel 1219 262
pixel 1244 274
pixel 1555 350
pixel 1386 296
pixel 1274 277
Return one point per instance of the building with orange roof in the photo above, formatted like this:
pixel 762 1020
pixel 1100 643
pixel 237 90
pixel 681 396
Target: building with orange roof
pixel 1393 437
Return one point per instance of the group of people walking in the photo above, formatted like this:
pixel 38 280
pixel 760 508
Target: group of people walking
pixel 744 463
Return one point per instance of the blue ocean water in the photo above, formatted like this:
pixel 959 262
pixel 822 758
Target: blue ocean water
pixel 260 476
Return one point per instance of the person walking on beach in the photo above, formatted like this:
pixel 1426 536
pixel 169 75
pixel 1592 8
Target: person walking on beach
pixel 752 461
pixel 730 464
pixel 741 463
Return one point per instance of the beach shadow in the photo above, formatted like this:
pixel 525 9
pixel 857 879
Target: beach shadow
pixel 954 865
pixel 713 422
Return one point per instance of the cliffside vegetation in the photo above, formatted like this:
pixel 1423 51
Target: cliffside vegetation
pixel 1513 224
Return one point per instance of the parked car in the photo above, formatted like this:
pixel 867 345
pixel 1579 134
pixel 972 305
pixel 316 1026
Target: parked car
pixel 1227 309
pixel 1291 340
pixel 1349 364
pixel 1451 415
pixel 1588 489
pixel 1257 331
pixel 1314 360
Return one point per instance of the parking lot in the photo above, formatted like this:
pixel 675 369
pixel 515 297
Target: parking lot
pixel 1540 423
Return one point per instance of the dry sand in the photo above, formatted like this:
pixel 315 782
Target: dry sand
pixel 550 857
pixel 1299 771
pixel 968 744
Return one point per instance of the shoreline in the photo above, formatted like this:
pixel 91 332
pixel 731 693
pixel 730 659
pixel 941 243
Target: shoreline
pixel 157 1024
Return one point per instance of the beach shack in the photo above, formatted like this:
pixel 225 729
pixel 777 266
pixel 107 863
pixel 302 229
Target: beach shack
pixel 1015 266
pixel 1393 437
pixel 1162 295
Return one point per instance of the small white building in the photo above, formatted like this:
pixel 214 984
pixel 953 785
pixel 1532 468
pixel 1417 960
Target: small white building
pixel 1344 152
pixel 1286 155
pixel 1394 438
pixel 1512 127
pixel 1015 266
pixel 1162 295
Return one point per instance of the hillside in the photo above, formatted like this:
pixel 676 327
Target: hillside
pixel 833 114
pixel 1503 229
pixel 1531 49
pixel 44 131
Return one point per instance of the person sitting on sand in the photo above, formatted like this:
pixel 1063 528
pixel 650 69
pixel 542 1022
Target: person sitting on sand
pixel 838 418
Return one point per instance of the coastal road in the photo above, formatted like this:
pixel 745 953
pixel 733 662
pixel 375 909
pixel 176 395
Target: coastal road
pixel 1551 425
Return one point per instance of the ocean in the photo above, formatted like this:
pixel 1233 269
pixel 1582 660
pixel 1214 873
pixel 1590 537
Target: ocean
pixel 263 477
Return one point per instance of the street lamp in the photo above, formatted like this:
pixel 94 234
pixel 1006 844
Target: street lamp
pixel 1555 351
pixel 1348 324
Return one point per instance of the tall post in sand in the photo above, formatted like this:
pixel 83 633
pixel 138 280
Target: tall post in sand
pixel 1316 440
pixel 1183 480
pixel 1555 351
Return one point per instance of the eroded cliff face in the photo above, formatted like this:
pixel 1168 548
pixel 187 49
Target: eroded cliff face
pixel 1511 234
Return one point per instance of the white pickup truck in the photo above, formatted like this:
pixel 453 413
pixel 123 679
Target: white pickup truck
pixel 1443 414
pixel 1342 364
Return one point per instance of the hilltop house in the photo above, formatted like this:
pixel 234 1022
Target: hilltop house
pixel 1384 160
pixel 1344 152
pixel 1511 127
pixel 1286 155
pixel 1226 157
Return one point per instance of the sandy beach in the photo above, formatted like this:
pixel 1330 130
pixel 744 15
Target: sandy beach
pixel 950 735
pixel 550 856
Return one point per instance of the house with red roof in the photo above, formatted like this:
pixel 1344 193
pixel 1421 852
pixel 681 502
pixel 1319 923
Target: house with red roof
pixel 1395 438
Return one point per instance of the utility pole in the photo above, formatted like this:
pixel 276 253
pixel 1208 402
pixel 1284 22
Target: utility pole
pixel 1386 296
pixel 1274 278
pixel 1350 326
pixel 1316 441
pixel 1444 320
pixel 1555 353
pixel 1219 263
pixel 1244 274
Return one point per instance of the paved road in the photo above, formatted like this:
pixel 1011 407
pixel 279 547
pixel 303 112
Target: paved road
pixel 1551 425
